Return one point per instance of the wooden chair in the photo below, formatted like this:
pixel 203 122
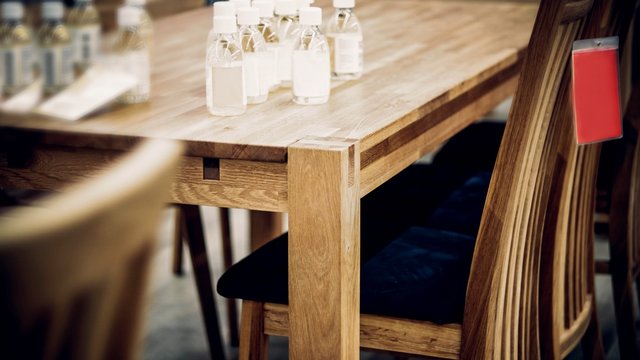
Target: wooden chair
pixel 535 235
pixel 74 267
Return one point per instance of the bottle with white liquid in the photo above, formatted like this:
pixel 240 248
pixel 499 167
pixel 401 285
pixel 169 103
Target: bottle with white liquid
pixel 84 25
pixel 225 87
pixel 56 53
pixel 255 58
pixel 16 50
pixel 146 22
pixel 268 29
pixel 311 71
pixel 345 39
pixel 220 8
pixel 132 51
pixel 287 25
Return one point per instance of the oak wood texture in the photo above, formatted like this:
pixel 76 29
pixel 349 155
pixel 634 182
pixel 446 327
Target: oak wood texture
pixel 530 293
pixel 76 264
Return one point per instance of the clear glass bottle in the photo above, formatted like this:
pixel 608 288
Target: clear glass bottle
pixel 268 29
pixel 255 57
pixel 311 71
pixel 287 26
pixel 225 87
pixel 220 8
pixel 344 34
pixel 16 49
pixel 84 25
pixel 56 53
pixel 146 22
pixel 132 52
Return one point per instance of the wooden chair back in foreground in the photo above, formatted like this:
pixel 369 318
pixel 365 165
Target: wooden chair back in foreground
pixel 74 268
pixel 540 197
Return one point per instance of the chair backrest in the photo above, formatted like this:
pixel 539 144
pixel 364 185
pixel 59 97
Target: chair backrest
pixel 74 267
pixel 533 195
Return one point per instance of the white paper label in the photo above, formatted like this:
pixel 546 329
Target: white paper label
pixel 17 65
pixel 284 61
pixel 57 64
pixel 137 64
pixel 348 53
pixel 311 73
pixel 86 42
pixel 252 74
pixel 225 86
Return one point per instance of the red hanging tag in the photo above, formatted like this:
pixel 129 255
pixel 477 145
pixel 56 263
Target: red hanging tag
pixel 596 94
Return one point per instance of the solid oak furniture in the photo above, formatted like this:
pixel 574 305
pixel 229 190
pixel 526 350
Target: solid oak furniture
pixel 76 264
pixel 431 68
pixel 531 287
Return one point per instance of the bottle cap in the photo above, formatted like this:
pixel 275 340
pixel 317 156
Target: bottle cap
pixel 224 8
pixel 224 25
pixel 265 7
pixel 129 16
pixel 344 4
pixel 285 7
pixel 136 2
pixel 303 3
pixel 240 3
pixel 311 16
pixel 12 11
pixel 52 10
pixel 248 16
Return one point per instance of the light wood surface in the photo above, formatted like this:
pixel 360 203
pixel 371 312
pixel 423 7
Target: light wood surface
pixel 75 266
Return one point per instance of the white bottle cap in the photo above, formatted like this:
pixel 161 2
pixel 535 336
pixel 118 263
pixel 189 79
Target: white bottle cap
pixel 303 3
pixel 12 11
pixel 248 16
pixel 224 25
pixel 285 7
pixel 224 8
pixel 241 3
pixel 344 4
pixel 311 16
pixel 52 10
pixel 129 16
pixel 265 7
pixel 136 2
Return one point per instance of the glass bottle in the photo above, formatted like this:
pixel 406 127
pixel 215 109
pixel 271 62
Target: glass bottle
pixel 225 87
pixel 311 71
pixel 344 34
pixel 146 23
pixel 132 52
pixel 16 50
pixel 268 29
pixel 56 53
pixel 255 58
pixel 287 26
pixel 220 8
pixel 84 25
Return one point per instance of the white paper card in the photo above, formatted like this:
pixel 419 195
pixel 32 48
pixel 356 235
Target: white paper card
pixel 97 87
pixel 25 100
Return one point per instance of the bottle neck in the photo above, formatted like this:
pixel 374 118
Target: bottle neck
pixel 12 22
pixel 347 10
pixel 52 22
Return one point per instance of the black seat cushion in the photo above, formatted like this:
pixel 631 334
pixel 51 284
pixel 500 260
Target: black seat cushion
pixel 462 211
pixel 421 275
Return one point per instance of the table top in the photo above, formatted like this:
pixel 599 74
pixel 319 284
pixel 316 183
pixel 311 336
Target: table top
pixel 419 55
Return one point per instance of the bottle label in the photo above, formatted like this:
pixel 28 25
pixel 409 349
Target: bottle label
pixel 348 53
pixel 137 63
pixel 311 73
pixel 17 64
pixel 86 42
pixel 252 74
pixel 284 61
pixel 225 86
pixel 57 65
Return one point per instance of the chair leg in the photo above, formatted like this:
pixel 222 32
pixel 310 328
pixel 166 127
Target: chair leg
pixel 232 311
pixel 592 347
pixel 253 341
pixel 178 231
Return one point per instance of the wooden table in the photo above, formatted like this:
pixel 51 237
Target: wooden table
pixel 431 68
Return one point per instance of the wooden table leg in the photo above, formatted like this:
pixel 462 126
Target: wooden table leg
pixel 178 231
pixel 265 226
pixel 227 253
pixel 202 276
pixel 324 249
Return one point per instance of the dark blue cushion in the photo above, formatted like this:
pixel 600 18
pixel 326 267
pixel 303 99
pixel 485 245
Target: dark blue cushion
pixel 421 275
pixel 462 211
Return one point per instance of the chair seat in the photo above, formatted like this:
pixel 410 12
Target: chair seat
pixel 422 274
